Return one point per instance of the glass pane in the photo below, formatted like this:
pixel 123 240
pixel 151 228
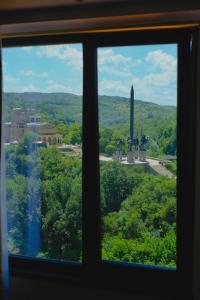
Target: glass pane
pixel 137 120
pixel 42 111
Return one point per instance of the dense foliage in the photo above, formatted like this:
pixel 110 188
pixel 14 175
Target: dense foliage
pixel 44 204
pixel 139 217
pixel 171 166
pixel 44 186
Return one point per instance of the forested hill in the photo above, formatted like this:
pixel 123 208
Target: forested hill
pixel 66 108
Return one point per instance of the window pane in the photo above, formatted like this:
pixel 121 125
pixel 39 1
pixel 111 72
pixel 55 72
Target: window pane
pixel 42 137
pixel 137 121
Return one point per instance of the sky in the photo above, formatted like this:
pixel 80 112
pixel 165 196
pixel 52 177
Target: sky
pixel 151 69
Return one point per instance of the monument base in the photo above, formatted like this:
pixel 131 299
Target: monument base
pixel 118 155
pixel 130 158
pixel 142 156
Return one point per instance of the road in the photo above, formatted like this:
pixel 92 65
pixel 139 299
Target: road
pixel 153 163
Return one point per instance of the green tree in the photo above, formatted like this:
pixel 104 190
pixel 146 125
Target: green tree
pixel 110 150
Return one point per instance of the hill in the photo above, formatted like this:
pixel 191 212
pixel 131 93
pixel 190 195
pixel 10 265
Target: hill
pixel 67 108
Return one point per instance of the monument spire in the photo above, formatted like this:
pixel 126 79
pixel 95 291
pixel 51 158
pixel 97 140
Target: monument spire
pixel 132 115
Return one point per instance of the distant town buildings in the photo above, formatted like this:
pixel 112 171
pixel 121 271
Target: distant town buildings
pixel 27 120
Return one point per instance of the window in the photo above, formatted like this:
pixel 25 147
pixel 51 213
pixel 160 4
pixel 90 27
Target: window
pixel 43 176
pixel 97 265
pixel 138 153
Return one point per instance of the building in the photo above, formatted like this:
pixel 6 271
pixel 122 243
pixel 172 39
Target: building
pixel 24 121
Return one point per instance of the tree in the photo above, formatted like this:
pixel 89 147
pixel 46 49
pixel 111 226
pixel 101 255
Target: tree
pixel 110 150
pixel 17 202
pixel 117 184
pixel 61 206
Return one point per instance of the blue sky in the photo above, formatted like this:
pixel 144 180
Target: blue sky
pixel 151 69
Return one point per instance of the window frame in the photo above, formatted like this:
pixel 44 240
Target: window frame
pixel 93 271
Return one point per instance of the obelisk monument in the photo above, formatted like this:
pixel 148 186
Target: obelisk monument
pixel 130 157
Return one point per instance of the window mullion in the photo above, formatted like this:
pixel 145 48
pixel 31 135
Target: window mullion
pixel 91 190
pixel 186 157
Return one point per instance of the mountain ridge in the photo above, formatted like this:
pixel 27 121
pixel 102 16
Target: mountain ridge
pixel 67 107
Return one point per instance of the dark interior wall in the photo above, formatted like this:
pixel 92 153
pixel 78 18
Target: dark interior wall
pixel 99 9
pixel 27 289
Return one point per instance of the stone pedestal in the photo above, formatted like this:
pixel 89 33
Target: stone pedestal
pixel 118 155
pixel 136 154
pixel 130 158
pixel 142 155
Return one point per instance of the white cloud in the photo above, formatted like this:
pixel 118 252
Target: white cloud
pixel 53 86
pixel 157 82
pixel 143 90
pixel 27 88
pixel 69 54
pixel 154 76
pixel 113 87
pixel 11 84
pixel 33 74
pixel 27 49
pixel 4 65
pixel 10 79
pixel 138 62
pixel 161 59
pixel 116 64
pixel 163 68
